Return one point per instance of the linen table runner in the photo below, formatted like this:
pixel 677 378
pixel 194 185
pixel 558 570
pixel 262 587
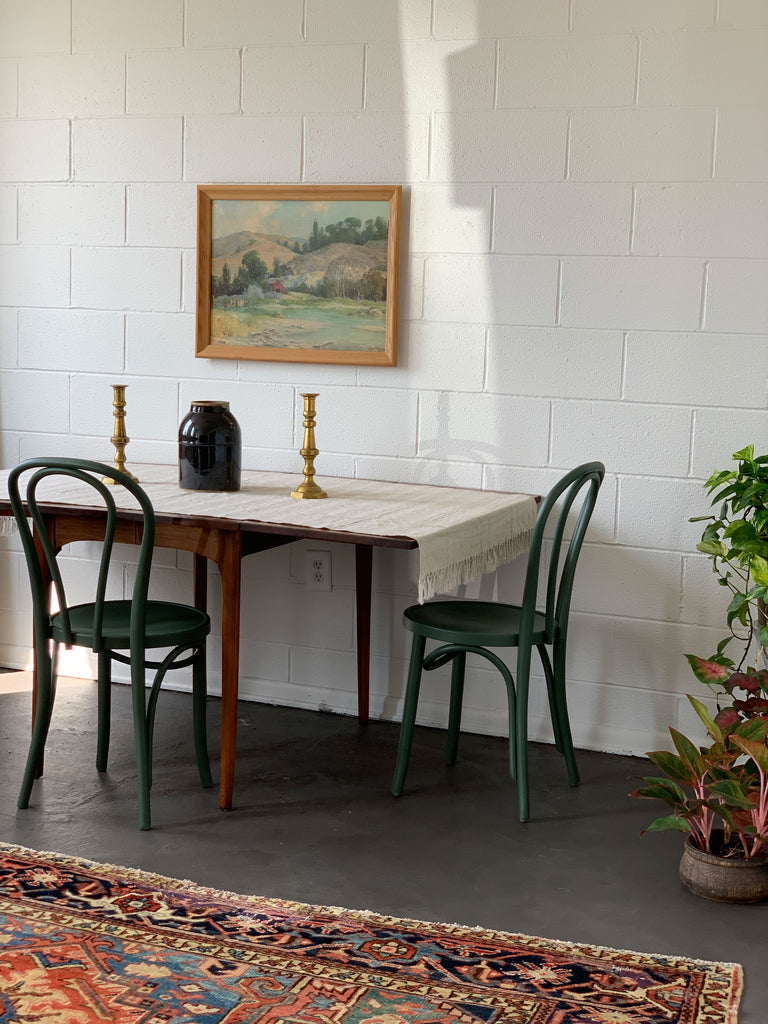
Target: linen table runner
pixel 461 533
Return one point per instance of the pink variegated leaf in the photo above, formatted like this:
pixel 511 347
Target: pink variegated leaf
pixel 709 672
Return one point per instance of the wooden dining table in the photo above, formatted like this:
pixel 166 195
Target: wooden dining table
pixel 459 533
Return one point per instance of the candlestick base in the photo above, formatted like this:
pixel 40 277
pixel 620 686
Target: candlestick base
pixel 309 489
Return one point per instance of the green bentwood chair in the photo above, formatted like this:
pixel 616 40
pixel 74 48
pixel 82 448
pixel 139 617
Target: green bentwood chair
pixel 471 627
pixel 107 626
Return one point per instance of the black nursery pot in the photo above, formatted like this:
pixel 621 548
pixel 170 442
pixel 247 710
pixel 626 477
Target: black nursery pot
pixel 210 448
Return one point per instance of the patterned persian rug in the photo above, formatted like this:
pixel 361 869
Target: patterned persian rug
pixel 82 943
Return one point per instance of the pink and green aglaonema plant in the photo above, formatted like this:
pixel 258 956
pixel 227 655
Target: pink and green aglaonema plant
pixel 719 793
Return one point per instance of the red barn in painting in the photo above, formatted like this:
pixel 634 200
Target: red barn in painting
pixel 278 288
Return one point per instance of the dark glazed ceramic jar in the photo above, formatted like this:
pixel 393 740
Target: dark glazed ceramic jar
pixel 210 448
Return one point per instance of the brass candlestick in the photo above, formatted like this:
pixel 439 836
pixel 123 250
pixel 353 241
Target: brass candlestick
pixel 119 438
pixel 309 489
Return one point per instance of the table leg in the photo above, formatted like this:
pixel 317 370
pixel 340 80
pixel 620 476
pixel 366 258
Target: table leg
pixel 229 567
pixel 201 582
pixel 363 576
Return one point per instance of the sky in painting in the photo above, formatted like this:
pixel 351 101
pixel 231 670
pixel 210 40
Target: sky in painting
pixel 293 218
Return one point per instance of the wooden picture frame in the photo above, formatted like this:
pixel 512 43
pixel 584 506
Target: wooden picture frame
pixel 298 273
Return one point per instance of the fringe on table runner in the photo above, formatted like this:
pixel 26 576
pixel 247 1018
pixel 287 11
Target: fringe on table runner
pixel 448 577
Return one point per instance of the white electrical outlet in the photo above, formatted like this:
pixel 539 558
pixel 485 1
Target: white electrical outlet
pixel 318 565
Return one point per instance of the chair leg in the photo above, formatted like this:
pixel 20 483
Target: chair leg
pixel 521 731
pixel 512 718
pixel 561 704
pixel 457 696
pixel 199 693
pixel 45 666
pixel 550 678
pixel 142 744
pixel 409 714
pixel 104 712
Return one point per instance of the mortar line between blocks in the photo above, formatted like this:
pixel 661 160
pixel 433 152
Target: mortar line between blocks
pixel 364 95
pixel 624 351
pixel 704 290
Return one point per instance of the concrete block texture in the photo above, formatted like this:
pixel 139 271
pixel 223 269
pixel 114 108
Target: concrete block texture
pixel 706 67
pixel 428 75
pixel 567 71
pixel 47 393
pixel 37 27
pixel 703 219
pixel 242 149
pixel 627 437
pixel 649 16
pixel 72 214
pixel 742 14
pixel 632 292
pixel 736 296
pixel 450 218
pixel 491 290
pixel 564 217
pixel 34 150
pixel 162 82
pixel 742 144
pixel 366 147
pixel 127 149
pixel 9 75
pixel 163 214
pixel 349 21
pixel 299 79
pixel 483 428
pixel 108 25
pixel 34 275
pixel 434 357
pixel 72 340
pixel 554 361
pixel 661 143
pixel 499 145
pixel 455 19
pixel 80 85
pixel 9 214
pixel 126 278
pixel 677 369
pixel 243 23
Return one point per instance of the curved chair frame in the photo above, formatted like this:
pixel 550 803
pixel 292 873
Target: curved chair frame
pixel 53 629
pixel 460 628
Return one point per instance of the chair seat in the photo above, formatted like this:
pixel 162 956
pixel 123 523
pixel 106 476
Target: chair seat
pixel 479 623
pixel 168 625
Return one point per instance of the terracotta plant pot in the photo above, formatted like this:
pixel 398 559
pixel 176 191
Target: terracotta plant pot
pixel 727 879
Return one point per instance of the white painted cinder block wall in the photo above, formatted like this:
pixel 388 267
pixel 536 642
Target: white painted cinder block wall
pixel 584 276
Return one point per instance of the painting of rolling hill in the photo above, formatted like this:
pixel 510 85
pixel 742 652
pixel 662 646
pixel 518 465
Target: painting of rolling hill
pixel 305 276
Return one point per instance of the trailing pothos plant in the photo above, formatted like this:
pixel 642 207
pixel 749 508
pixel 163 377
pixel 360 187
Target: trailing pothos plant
pixel 719 793
pixel 736 541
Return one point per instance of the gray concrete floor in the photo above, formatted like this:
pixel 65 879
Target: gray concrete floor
pixel 314 821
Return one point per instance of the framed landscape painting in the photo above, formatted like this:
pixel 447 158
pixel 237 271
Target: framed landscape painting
pixel 298 273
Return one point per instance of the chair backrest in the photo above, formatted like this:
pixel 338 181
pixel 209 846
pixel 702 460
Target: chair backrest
pixel 92 474
pixel 586 478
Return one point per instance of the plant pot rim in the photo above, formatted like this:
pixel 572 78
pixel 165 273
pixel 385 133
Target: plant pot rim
pixel 719 858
